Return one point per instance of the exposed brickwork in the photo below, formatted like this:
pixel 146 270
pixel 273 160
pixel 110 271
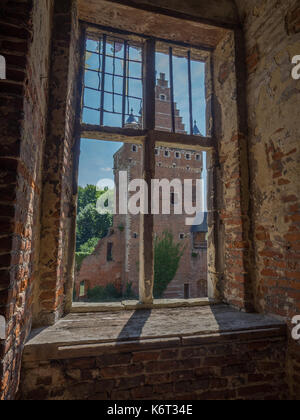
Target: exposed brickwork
pixel 58 205
pixel 25 38
pixel 273 98
pixel 246 369
pixel 231 188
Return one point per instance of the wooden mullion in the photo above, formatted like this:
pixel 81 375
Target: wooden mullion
pixel 146 277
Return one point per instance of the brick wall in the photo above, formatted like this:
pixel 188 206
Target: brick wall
pixel 243 366
pixel 25 39
pixel 26 44
pixel 58 202
pixel 230 188
pixel 272 38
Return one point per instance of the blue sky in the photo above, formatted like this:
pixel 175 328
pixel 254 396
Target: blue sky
pixel 96 161
pixel 96 158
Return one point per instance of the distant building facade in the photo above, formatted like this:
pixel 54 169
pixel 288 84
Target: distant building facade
pixel 116 257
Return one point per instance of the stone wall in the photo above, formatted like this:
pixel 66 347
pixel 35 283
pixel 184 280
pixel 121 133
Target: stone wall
pixel 272 36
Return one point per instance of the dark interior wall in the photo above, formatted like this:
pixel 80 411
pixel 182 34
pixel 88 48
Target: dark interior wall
pixel 220 11
pixel 39 41
pixel 25 43
pixel 272 38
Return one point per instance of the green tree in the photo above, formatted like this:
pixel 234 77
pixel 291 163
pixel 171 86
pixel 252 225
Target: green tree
pixel 87 195
pixel 108 293
pixel 167 256
pixel 89 246
pixel 91 224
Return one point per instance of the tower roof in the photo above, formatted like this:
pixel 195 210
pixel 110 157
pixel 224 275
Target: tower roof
pixel 196 130
pixel 131 119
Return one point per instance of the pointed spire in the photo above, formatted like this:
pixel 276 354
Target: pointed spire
pixel 196 130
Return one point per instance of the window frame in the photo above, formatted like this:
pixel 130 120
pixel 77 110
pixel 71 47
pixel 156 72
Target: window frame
pixel 149 137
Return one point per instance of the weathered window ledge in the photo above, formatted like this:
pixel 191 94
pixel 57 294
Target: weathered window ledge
pixel 130 305
pixel 94 334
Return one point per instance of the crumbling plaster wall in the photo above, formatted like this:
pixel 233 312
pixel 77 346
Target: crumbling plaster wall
pixel 272 38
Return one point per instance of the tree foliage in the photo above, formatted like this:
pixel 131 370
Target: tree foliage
pixel 87 195
pixel 91 226
pixel 108 293
pixel 89 246
pixel 167 258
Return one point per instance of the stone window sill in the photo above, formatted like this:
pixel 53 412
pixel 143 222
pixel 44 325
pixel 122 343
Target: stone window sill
pixel 129 305
pixel 92 334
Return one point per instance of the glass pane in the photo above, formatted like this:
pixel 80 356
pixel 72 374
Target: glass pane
pixel 112 120
pixel 92 79
pixel 135 53
pixel 113 84
pixel 90 116
pixel 134 108
pixel 112 103
pixel 181 94
pixel 135 88
pixel 135 69
pixel 198 97
pixel 163 93
pixel 107 240
pixel 188 120
pixel 115 47
pixel 92 98
pixel 93 46
pixel 93 61
pixel 114 66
